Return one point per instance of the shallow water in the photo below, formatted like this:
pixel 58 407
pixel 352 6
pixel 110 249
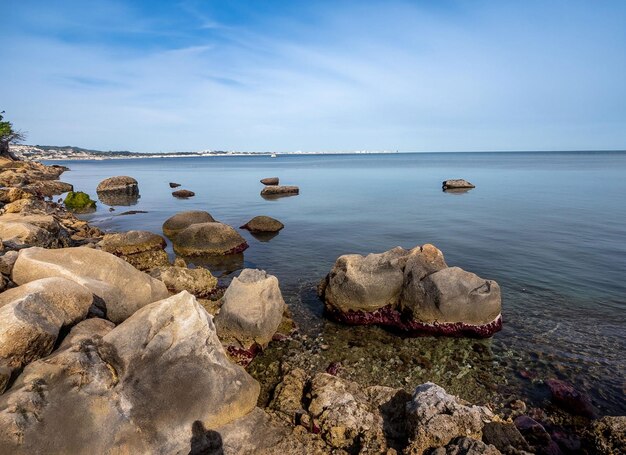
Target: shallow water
pixel 549 227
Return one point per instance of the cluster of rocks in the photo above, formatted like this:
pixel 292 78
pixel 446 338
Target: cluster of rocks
pixel 273 190
pixel 411 290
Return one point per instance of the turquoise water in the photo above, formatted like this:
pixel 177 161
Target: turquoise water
pixel 549 227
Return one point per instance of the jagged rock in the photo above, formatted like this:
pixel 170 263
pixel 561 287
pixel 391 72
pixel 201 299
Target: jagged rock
pixel 435 418
pixel 279 190
pixel 183 194
pixel 289 395
pixel 414 291
pixel 263 224
pixel 466 446
pixel 122 288
pixel 27 205
pixel 48 188
pixel 212 238
pixel 183 220
pixel 199 281
pixel 32 315
pixel 607 435
pixel 252 309
pixel 270 181
pixel 8 195
pixel 456 184
pixel 140 388
pixel 142 249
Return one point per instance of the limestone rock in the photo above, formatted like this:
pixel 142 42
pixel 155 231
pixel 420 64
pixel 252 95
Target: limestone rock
pixel 199 281
pixel 209 239
pixel 435 418
pixel 122 288
pixel 140 388
pixel 182 220
pixel 31 316
pixel 263 224
pixel 142 249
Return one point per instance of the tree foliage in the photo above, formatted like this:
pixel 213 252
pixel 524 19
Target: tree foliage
pixel 7 135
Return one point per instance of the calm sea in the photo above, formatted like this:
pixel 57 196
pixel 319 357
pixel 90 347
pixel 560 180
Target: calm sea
pixel 549 227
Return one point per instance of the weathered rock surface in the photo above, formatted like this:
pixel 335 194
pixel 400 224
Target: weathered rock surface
pixel 568 398
pixel 142 249
pixel 270 181
pixel 121 190
pixel 414 291
pixel 279 190
pixel 209 239
pixel 122 288
pixel 7 260
pixel 505 437
pixel 456 184
pixel 263 224
pixel 8 195
pixel 607 435
pixel 252 309
pixel 466 446
pixel 174 185
pixel 20 231
pixel 48 188
pixel 183 194
pixel 199 281
pixel 32 315
pixel 182 220
pixel 435 418
pixel 140 388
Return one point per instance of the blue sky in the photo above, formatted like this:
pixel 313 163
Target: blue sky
pixel 316 75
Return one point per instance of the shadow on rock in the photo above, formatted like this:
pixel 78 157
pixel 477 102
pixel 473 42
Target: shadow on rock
pixel 205 442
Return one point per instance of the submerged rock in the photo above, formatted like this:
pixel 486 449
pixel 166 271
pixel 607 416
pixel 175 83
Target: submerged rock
pixel 121 287
pixel 263 224
pixel 209 239
pixel 270 181
pixel 140 388
pixel 252 309
pixel 79 202
pixel 568 398
pixel 414 291
pixel 142 249
pixel 183 194
pixel 453 184
pixel 182 220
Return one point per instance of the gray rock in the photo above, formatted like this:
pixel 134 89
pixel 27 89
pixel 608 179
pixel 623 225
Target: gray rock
pixel 251 311
pixel 140 388
pixel 214 238
pixel 435 418
pixel 182 220
pixel 123 288
pixel 31 316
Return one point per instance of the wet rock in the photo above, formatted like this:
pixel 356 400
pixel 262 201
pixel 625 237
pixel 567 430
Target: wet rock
pixel 142 249
pixel 199 281
pixel 270 181
pixel 435 418
pixel 278 190
pixel 505 437
pixel 214 238
pixel 147 382
pixel 252 309
pixel 534 433
pixel 79 202
pixel 32 315
pixel 456 184
pixel 414 291
pixel 182 220
pixel 607 435
pixel 263 224
pixel 123 288
pixel 174 185
pixel 569 399
pixel 183 194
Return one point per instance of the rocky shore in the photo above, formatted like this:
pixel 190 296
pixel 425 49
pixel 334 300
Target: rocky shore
pixel 106 346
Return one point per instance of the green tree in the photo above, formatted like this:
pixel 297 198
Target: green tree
pixel 7 135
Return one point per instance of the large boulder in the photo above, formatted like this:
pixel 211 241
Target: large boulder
pixel 31 316
pixel 141 388
pixel 121 190
pixel 182 220
pixel 213 238
pixel 142 249
pixel 263 224
pixel 414 291
pixel 199 281
pixel 435 418
pixel 252 309
pixel 122 288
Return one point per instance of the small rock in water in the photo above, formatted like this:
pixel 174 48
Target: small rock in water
pixel 457 184
pixel 174 185
pixel 183 194
pixel 111 209
pixel 569 399
pixel 270 181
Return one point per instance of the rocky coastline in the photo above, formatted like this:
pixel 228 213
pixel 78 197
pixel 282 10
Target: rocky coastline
pixel 108 347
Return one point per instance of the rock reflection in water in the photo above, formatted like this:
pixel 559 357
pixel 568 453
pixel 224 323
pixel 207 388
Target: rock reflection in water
pixel 220 266
pixel 264 236
pixel 118 199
